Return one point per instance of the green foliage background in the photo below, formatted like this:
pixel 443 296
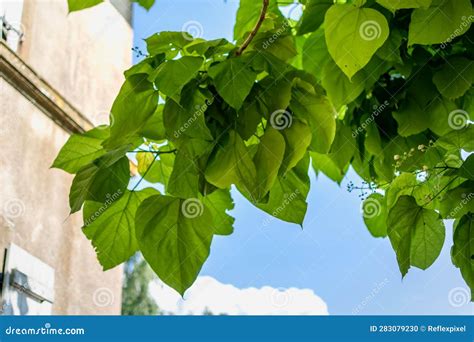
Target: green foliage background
pixel 136 300
pixel 382 86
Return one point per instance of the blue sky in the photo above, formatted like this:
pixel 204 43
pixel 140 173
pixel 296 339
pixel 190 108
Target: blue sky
pixel 334 255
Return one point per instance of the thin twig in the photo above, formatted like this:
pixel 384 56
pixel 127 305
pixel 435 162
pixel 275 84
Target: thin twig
pixel 439 192
pixel 154 152
pixel 144 174
pixel 253 33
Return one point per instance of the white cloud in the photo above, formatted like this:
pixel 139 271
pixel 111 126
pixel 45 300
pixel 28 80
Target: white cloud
pixel 208 293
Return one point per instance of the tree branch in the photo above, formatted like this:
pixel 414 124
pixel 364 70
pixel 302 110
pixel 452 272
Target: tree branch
pixel 253 33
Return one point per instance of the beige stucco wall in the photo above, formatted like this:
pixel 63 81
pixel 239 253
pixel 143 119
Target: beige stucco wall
pixel 83 56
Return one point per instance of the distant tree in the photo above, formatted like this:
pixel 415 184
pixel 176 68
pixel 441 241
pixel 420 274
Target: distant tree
pixel 136 299
pixel 207 312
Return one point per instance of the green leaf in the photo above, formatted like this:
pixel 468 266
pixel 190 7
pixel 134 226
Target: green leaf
pixel 276 95
pixel 374 211
pixel 390 50
pixel 373 71
pixel 248 15
pixel 185 122
pixel 262 61
pixel 97 181
pixel 174 236
pixel 336 162
pixel 233 80
pixel 171 76
pixel 155 168
pixel 455 77
pixel 315 53
pixel 394 5
pixel 440 23
pixel 373 141
pixel 77 5
pixel 218 203
pixel 468 102
pixel 184 180
pixel 232 164
pixel 209 48
pixel 424 108
pixel 283 47
pixel 81 149
pixel 268 160
pixel 147 4
pixel 462 139
pixel 462 251
pixel 417 234
pixel 187 178
pixel 353 35
pixel 287 199
pixel 154 127
pixel 167 42
pixel 339 88
pixel 144 162
pixel 297 139
pixel 458 201
pixel 325 164
pixel 133 107
pixel 111 226
pixel 440 117
pixel 320 115
pixel 159 170
pixel 313 15
pixel 146 66
pixel 401 185
pixel 467 168
pixel 249 117
pixel 411 118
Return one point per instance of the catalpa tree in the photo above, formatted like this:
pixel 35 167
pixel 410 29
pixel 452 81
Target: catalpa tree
pixel 382 86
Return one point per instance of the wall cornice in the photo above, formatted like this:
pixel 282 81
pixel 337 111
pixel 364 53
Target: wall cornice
pixel 22 77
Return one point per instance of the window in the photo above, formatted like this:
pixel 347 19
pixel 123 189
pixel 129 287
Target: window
pixel 10 22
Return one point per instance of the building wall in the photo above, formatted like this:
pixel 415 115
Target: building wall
pixel 82 55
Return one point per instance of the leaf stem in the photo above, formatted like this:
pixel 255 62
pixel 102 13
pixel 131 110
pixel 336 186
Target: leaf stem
pixel 154 152
pixel 439 192
pixel 148 169
pixel 253 33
